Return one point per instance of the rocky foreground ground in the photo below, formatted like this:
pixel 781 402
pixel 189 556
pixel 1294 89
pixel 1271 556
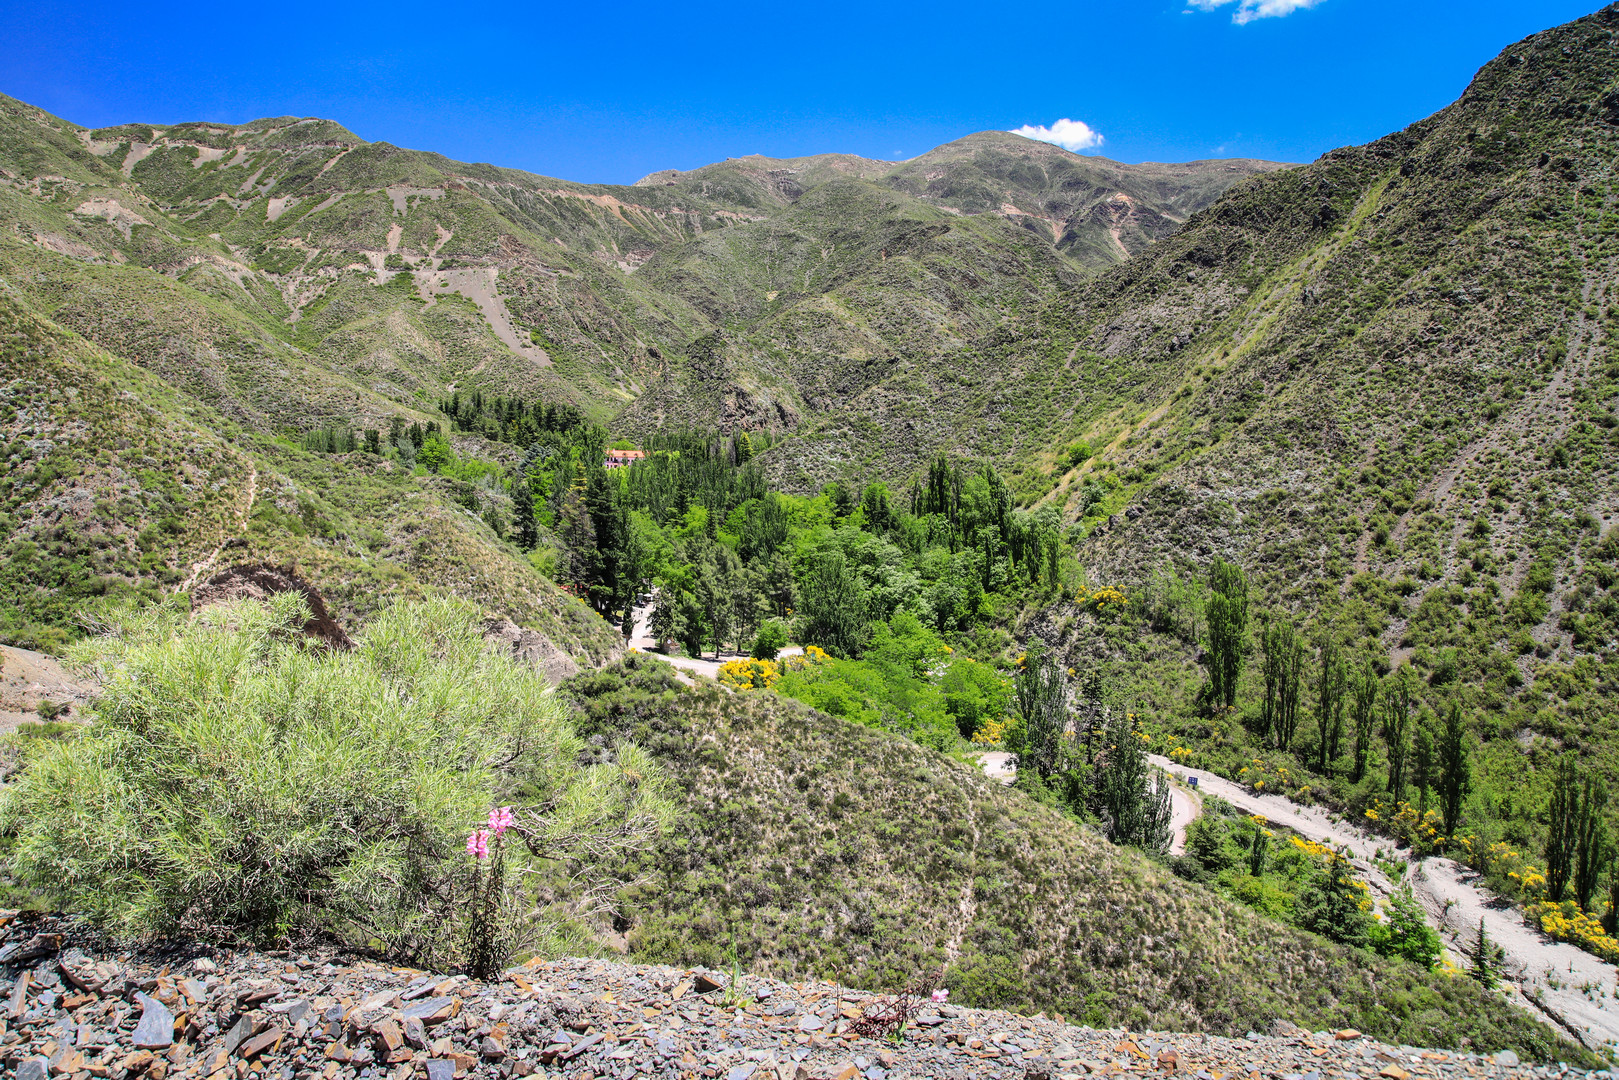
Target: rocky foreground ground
pixel 71 1010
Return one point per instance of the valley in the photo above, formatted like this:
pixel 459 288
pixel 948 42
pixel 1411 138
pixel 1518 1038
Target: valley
pixel 814 570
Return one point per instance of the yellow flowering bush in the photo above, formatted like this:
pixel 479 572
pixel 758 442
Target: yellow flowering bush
pixel 1402 821
pixel 749 674
pixel 1106 602
pixel 1566 922
pixel 993 731
pixel 1261 776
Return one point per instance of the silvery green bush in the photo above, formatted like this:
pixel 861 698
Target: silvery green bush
pixel 239 781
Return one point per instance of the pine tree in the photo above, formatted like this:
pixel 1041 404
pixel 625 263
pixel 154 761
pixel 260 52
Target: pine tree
pixel 1227 616
pixel 1481 956
pixel 1455 771
pixel 1334 904
pixel 528 533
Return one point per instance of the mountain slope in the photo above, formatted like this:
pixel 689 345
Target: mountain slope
pixel 1390 314
pixel 814 846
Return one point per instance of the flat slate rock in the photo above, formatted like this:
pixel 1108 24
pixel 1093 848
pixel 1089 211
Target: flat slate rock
pixel 156 1028
pixel 429 1009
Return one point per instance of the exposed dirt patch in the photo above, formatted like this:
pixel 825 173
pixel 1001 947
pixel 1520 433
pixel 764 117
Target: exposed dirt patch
pixel 28 678
pixel 532 647
pixel 249 582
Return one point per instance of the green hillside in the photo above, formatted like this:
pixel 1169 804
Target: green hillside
pixel 813 847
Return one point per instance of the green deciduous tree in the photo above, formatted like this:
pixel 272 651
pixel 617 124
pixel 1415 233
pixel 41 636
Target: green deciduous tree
pixel 1562 828
pixel 1226 614
pixel 832 606
pixel 1040 695
pixel 1258 850
pixel 1133 796
pixel 1332 677
pixel 1284 656
pixel 1406 932
pixel 1455 770
pixel 1396 722
pixel 1424 759
pixel 1363 714
pixel 1577 845
pixel 1591 850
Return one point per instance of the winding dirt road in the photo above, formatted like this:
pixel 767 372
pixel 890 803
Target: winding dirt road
pixel 641 638
pixel 1568 986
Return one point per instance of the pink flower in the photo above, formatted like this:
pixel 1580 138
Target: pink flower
pixel 500 820
pixel 478 843
pixel 940 997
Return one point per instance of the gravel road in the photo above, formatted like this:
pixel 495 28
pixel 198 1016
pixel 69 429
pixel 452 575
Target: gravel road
pixel 1570 987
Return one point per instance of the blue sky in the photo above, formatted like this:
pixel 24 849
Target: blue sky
pixel 609 92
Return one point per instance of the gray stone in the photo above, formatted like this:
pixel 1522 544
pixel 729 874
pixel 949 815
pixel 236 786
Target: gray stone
pixel 810 1023
pixel 419 988
pixel 34 1068
pixel 1507 1058
pixel 876 1073
pixel 742 1072
pixel 431 1010
pixel 242 1029
pixel 440 1069
pixel 783 1008
pixel 156 1028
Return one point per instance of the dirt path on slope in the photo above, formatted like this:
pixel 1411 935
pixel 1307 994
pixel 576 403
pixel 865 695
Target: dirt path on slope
pixel 1570 986
pixel 213 556
pixel 1541 975
pixel 1184 807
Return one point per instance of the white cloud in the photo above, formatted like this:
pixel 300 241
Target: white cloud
pixel 1073 135
pixel 1249 10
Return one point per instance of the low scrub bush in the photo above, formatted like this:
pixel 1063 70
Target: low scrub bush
pixel 239 781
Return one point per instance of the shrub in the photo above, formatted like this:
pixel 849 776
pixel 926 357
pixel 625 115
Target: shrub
pixel 1407 934
pixel 237 781
pixel 770 640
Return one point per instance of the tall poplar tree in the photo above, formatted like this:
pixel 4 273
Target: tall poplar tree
pixel 1455 770
pixel 1397 701
pixel 1284 656
pixel 1363 714
pixel 1226 614
pixel 1332 678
